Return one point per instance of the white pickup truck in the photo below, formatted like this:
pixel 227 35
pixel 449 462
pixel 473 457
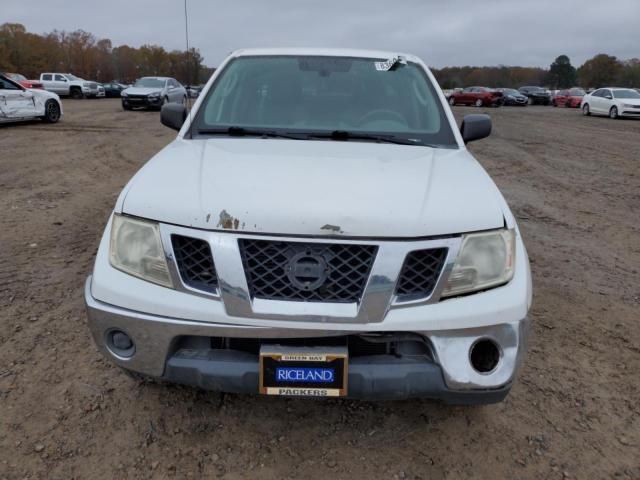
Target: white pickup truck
pixel 67 85
pixel 317 228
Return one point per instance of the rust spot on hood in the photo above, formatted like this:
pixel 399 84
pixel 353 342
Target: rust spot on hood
pixel 227 221
pixel 332 228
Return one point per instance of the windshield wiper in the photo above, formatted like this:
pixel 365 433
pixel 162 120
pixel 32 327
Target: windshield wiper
pixel 343 135
pixel 249 132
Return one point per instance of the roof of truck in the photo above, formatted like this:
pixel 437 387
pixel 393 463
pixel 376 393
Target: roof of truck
pixel 328 52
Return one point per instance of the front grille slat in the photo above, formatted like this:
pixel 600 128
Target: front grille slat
pixel 267 264
pixel 420 273
pixel 195 263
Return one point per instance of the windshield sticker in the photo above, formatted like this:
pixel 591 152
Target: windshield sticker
pixel 390 63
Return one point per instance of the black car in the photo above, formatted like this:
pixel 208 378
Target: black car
pixel 112 90
pixel 536 95
pixel 512 96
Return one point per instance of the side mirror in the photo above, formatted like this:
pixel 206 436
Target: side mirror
pixel 173 115
pixel 475 127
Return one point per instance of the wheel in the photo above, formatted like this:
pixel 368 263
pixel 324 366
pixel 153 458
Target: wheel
pixel 51 112
pixel 553 102
pixel 478 103
pixel 126 106
pixel 585 109
pixel 452 101
pixel 76 93
pixel 165 100
pixel 567 104
pixel 613 113
pixel 184 100
pixel 530 101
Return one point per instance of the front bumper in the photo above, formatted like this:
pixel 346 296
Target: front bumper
pixel 447 375
pixel 141 101
pixel 516 101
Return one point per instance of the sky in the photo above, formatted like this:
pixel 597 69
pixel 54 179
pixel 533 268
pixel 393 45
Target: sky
pixel 442 33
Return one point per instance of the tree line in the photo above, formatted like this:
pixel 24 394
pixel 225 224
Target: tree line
pixel 601 70
pixel 88 57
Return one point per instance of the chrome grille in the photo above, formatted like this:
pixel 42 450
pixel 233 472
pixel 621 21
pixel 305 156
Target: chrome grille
pixel 268 266
pixel 420 273
pixel 195 263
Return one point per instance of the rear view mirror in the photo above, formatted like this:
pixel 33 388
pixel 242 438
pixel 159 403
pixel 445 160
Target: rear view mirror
pixel 173 115
pixel 475 127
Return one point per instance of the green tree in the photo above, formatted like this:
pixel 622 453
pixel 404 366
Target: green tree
pixel 630 73
pixel 561 73
pixel 599 71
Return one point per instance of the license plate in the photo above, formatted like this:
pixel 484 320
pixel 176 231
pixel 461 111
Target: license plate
pixel 303 371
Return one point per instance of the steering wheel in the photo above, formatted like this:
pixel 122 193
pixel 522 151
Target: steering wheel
pixel 389 114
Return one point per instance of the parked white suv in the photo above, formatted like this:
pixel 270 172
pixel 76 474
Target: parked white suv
pixel 317 228
pixel 68 85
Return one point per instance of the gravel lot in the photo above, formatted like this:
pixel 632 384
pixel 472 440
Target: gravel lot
pixel 574 184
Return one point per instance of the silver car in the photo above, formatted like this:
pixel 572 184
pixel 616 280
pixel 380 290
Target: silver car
pixel 153 92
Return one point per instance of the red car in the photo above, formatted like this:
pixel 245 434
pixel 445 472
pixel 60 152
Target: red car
pixel 478 96
pixel 22 80
pixel 569 98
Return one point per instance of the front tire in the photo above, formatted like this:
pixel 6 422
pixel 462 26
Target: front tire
pixel 51 112
pixel 613 113
pixel 126 106
pixel 77 94
pixel 478 103
pixel 530 101
pixel 585 110
pixel 452 101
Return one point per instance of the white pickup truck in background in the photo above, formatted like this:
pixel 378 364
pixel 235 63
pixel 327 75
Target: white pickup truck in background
pixel 65 84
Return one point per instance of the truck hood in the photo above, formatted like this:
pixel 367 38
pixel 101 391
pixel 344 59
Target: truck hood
pixel 296 187
pixel 142 90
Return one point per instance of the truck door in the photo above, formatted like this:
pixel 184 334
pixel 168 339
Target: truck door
pixel 60 84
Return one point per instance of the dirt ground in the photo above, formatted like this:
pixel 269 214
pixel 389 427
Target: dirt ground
pixel 66 413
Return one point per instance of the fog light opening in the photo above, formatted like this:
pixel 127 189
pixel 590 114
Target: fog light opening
pixel 484 356
pixel 120 344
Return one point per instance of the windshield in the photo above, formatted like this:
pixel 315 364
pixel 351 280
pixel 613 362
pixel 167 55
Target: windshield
pixel 510 91
pixel 577 92
pixel 17 77
pixel 149 82
pixel 626 94
pixel 71 77
pixel 307 95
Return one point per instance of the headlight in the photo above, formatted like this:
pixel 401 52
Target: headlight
pixel 136 249
pixel 86 84
pixel 154 94
pixel 628 105
pixel 484 260
pixel 123 93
